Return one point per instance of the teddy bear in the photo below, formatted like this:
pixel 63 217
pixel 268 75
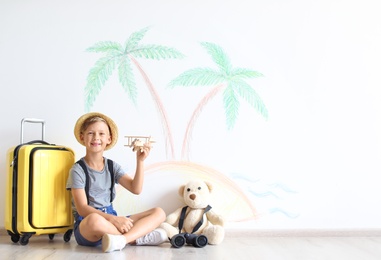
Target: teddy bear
pixel 196 195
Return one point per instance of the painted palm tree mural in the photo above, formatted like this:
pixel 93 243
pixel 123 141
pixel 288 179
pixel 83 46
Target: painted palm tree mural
pixel 122 57
pixel 226 79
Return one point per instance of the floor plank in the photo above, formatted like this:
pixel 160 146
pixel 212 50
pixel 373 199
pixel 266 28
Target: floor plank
pixel 235 246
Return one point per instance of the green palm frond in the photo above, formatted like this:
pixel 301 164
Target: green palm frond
pixel 134 39
pixel 127 79
pixel 243 73
pixel 231 105
pixel 106 46
pixel 198 77
pixel 219 56
pixel 233 79
pixel 120 56
pixel 101 71
pixel 156 52
pixel 246 92
pixel 97 77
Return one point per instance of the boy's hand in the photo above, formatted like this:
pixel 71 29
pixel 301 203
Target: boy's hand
pixel 142 154
pixel 123 224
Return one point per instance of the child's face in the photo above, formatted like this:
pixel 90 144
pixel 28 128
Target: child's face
pixel 97 136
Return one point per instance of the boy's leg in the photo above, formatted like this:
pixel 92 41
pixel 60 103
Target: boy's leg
pixel 144 223
pixel 94 226
pixel 142 232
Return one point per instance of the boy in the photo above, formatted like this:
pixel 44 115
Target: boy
pixel 96 222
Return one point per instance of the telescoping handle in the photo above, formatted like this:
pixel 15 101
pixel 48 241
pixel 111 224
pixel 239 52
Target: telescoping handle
pixel 32 120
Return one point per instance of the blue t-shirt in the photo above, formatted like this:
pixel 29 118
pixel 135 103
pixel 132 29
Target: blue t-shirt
pixel 100 183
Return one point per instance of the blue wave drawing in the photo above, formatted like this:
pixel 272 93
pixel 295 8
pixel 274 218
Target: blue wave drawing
pixel 262 190
pixel 281 211
pixel 263 194
pixel 283 187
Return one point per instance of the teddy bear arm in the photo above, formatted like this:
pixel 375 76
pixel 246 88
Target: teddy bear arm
pixel 215 219
pixel 173 218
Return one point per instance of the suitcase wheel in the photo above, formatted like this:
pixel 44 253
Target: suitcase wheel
pixel 14 237
pixel 67 235
pixel 51 236
pixel 24 240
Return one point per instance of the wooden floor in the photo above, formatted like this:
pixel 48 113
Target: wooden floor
pixel 237 245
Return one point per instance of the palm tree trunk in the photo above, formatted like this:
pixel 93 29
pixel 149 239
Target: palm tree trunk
pixel 162 113
pixel 192 121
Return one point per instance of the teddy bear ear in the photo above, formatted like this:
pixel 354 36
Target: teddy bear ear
pixel 181 190
pixel 210 186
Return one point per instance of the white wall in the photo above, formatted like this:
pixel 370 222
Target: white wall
pixel 314 163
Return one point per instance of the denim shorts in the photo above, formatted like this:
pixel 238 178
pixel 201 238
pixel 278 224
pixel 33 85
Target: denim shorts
pixel 77 234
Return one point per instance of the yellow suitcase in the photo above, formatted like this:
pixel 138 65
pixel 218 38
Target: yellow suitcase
pixel 37 201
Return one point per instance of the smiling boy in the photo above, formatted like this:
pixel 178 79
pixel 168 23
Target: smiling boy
pixel 90 179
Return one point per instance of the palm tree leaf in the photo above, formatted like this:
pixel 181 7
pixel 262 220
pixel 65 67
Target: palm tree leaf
pixel 127 79
pixel 218 56
pixel 106 46
pixel 156 52
pixel 97 77
pixel 245 91
pixel 243 73
pixel 198 77
pixel 134 39
pixel 231 105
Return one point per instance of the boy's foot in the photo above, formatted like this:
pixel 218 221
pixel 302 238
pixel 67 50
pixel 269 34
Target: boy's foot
pixel 154 238
pixel 113 242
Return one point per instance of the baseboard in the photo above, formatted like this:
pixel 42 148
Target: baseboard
pixel 303 232
pixel 239 232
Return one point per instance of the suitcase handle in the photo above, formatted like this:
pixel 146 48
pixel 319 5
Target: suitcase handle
pixel 15 153
pixel 31 120
pixel 38 142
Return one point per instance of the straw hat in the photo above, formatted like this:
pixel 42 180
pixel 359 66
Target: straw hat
pixel 111 124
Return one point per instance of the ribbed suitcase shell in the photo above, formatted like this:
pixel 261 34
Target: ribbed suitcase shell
pixel 37 201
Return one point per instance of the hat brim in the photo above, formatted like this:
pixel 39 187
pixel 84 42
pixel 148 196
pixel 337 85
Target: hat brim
pixel 109 121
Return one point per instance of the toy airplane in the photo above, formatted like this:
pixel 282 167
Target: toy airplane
pixel 136 143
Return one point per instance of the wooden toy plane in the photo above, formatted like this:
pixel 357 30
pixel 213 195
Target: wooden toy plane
pixel 135 141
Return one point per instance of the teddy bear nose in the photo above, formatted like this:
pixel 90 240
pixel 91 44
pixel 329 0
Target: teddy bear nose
pixel 192 196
